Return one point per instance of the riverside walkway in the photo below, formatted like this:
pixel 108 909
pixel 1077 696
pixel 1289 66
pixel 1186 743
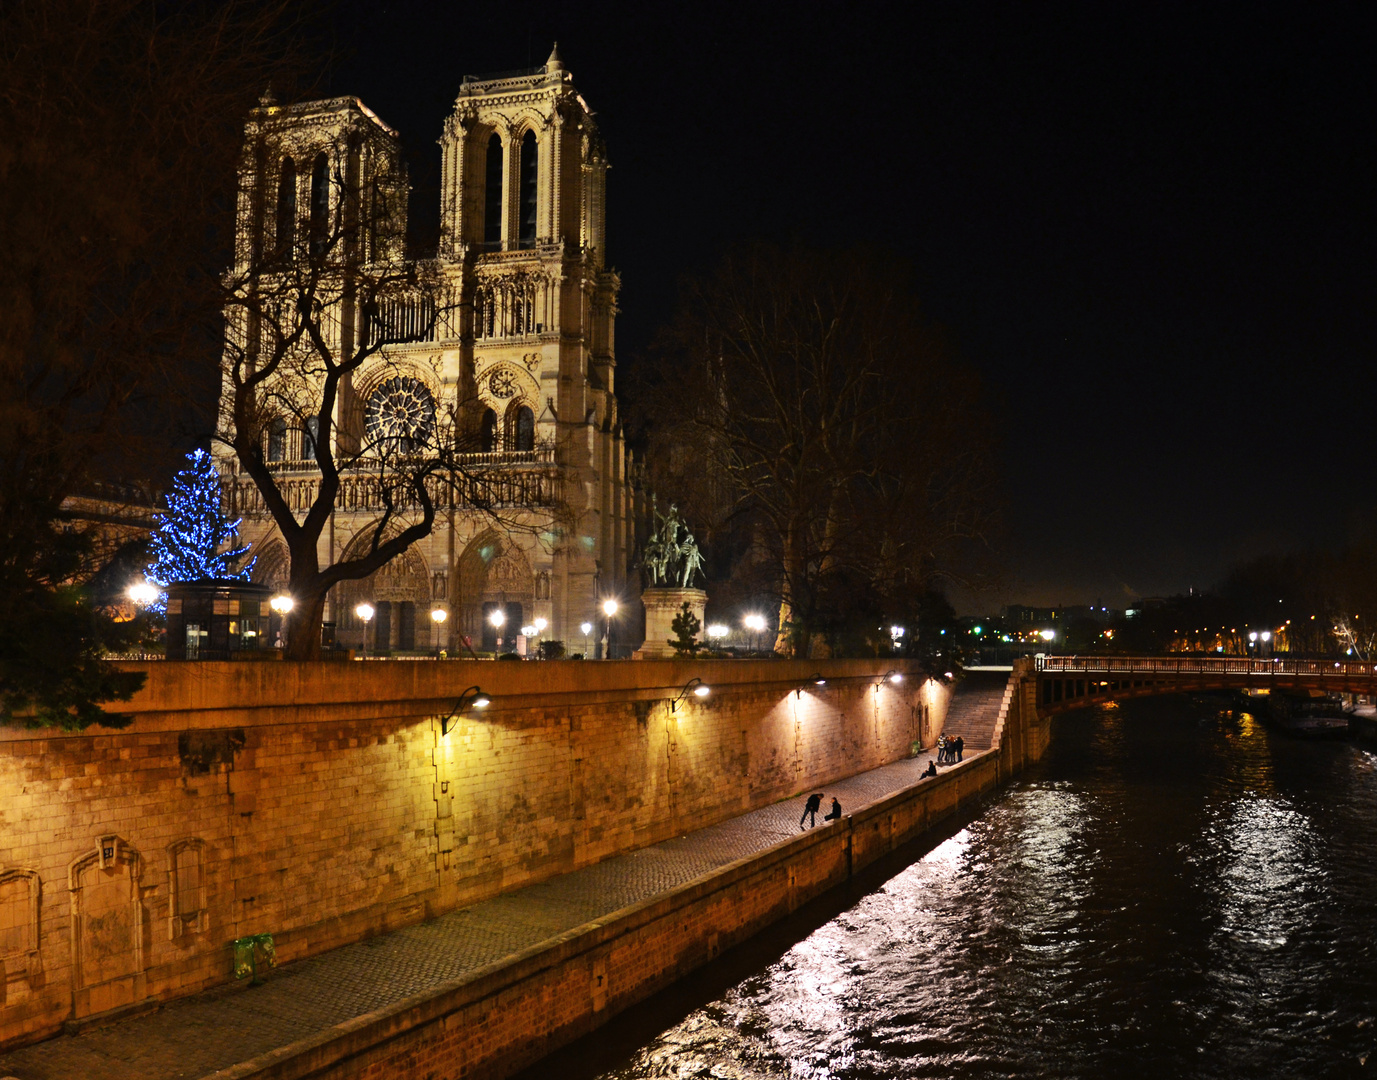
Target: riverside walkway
pixel 198 1036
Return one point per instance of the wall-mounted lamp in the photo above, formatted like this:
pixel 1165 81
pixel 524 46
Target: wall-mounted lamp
pixel 695 686
pixel 473 696
pixel 891 676
pixel 814 679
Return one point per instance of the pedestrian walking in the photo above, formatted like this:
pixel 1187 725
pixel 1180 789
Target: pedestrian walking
pixel 811 808
pixel 835 813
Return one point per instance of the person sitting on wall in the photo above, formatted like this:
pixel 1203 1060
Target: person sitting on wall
pixel 931 770
pixel 835 814
pixel 811 807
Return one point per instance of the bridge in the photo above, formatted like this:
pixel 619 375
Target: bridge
pixel 1075 682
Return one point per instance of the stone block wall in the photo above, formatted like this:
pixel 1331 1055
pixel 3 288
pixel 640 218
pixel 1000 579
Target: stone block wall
pixel 322 803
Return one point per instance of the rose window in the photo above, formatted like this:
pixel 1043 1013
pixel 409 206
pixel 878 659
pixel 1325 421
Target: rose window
pixel 400 415
pixel 501 384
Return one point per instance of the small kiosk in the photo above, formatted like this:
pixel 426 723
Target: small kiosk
pixel 215 619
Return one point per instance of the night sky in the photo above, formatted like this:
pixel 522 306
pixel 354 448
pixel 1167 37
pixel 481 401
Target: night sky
pixel 1150 228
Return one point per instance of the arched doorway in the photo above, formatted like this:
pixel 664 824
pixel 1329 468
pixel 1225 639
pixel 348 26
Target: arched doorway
pixel 493 573
pixel 399 593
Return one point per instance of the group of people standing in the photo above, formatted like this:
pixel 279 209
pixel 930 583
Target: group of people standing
pixel 949 751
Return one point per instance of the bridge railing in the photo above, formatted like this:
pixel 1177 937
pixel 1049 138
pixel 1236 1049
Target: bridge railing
pixel 1202 666
pixel 1205 665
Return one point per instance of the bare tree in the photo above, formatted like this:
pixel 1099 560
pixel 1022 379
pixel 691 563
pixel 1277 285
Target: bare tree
pixel 837 434
pixel 119 125
pixel 330 297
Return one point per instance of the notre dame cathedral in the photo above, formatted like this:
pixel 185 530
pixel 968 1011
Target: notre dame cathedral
pixel 529 344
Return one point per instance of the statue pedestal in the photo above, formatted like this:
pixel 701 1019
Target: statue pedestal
pixel 662 605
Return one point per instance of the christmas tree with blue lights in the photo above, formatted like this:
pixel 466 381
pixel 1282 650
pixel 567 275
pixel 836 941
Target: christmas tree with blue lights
pixel 188 541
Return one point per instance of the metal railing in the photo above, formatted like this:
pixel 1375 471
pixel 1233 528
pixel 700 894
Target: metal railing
pixel 1205 665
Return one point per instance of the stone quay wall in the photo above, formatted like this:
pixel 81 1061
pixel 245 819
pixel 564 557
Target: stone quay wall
pixel 508 1016
pixel 322 803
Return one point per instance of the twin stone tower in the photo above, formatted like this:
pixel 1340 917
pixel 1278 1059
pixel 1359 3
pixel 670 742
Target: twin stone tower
pixel 525 348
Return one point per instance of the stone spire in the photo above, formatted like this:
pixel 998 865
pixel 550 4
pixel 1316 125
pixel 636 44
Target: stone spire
pixel 554 63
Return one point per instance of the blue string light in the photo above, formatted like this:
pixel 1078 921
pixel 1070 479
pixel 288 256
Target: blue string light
pixel 186 543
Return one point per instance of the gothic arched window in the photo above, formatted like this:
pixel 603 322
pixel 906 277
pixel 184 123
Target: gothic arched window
pixel 277 439
pixel 310 434
pixel 320 203
pixel 528 189
pixel 487 432
pixel 492 193
pixel 524 428
pixel 286 209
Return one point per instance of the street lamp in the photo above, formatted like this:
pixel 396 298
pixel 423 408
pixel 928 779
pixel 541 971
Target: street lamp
pixel 281 605
pixel 756 625
pixel 365 612
pixel 540 625
pixel 472 696
pixel 438 615
pixel 587 629
pixel 142 593
pixel 609 608
pixel 497 618
pixel 695 686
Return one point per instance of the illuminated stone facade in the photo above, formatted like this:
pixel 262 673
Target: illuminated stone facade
pixel 523 353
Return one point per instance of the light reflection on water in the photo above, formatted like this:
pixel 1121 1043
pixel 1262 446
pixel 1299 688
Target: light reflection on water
pixel 1174 891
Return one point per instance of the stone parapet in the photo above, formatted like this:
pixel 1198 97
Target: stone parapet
pixel 323 803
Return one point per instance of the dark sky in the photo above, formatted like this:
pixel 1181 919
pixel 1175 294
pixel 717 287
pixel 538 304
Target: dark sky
pixel 1149 227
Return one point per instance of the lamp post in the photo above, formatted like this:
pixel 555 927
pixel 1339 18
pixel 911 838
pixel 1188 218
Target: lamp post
pixel 756 625
pixel 540 625
pixel 587 629
pixel 281 604
pixel 497 618
pixel 609 608
pixel 365 613
pixel 438 615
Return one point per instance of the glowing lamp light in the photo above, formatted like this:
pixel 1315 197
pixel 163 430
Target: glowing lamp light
pixel 498 617
pixel 609 607
pixel 1266 635
pixel 540 625
pixel 1252 636
pixel 587 628
pixel 718 630
pixel 528 631
pixel 282 603
pixel 438 615
pixel 364 611
pixel 1047 635
pixel 142 593
pixel 695 686
pixel 896 631
pixel 754 623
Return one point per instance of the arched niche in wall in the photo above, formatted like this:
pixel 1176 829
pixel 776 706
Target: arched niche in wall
pixel 20 895
pixel 107 927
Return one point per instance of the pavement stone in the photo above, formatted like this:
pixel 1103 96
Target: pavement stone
pixel 197 1035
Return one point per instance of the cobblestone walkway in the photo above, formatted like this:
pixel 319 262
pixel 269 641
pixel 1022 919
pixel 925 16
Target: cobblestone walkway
pixel 199 1035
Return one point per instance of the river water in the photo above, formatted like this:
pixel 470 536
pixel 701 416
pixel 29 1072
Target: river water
pixel 1176 890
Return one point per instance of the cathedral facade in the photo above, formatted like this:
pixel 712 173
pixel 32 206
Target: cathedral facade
pixel 518 354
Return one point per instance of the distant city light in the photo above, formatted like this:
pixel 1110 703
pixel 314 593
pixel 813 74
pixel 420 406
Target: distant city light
pixel 1047 635
pixel 977 631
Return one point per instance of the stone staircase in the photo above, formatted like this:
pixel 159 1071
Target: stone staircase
pixel 977 707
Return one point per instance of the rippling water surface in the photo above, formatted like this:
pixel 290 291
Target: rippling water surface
pixel 1175 891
